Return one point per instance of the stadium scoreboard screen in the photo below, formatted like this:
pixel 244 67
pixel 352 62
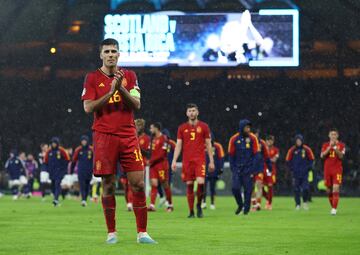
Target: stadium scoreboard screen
pixel 267 38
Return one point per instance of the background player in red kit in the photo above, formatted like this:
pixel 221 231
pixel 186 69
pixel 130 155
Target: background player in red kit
pixel 159 166
pixel 259 177
pixel 270 177
pixel 112 94
pixel 144 139
pixel 193 137
pixel 333 152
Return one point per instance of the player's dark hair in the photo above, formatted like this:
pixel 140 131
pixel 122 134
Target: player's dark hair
pixel 109 41
pixel 157 125
pixel 192 105
pixel 270 137
pixel 334 130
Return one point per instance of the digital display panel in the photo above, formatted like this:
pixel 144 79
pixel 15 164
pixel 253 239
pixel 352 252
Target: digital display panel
pixel 267 38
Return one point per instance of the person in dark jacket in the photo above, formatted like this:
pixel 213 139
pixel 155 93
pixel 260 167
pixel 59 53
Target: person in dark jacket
pixel 17 172
pixel 245 160
pixel 83 158
pixel 212 177
pixel 56 160
pixel 300 159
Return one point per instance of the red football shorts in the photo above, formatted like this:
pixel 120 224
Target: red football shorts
pixel 332 177
pixel 160 171
pixel 193 169
pixel 269 180
pixel 259 177
pixel 109 149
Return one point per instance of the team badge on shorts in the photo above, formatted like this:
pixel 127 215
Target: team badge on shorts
pixel 98 165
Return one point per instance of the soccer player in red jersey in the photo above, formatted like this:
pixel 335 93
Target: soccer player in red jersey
pixel 192 138
pixel 144 139
pixel 270 177
pixel 259 177
pixel 332 153
pixel 159 166
pixel 112 94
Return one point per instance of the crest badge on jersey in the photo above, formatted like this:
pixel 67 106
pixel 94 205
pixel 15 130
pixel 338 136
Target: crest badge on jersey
pixel 98 165
pixel 198 129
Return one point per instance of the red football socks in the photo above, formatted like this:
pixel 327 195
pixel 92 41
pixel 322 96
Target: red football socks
pixel 153 195
pixel 258 200
pixel 129 195
pixel 330 196
pixel 200 193
pixel 264 193
pixel 190 196
pixel 168 195
pixel 270 194
pixel 140 210
pixel 109 206
pixel 335 199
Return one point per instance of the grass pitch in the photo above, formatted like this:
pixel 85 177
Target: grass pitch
pixel 35 227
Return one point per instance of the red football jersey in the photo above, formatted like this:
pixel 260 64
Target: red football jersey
pixel 144 142
pixel 115 117
pixel 273 152
pixel 193 140
pixel 172 145
pixel 159 147
pixel 332 162
pixel 264 151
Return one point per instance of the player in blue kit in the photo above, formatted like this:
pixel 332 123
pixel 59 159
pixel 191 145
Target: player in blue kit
pixel 300 160
pixel 212 177
pixel 56 160
pixel 16 170
pixel 83 157
pixel 245 160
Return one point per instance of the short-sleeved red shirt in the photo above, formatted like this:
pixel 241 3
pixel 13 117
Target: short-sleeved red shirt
pixel 159 147
pixel 332 162
pixel 115 117
pixel 193 140
pixel 144 142
pixel 273 151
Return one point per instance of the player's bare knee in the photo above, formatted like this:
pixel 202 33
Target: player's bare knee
pixel 201 181
pixel 138 186
pixel 108 185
